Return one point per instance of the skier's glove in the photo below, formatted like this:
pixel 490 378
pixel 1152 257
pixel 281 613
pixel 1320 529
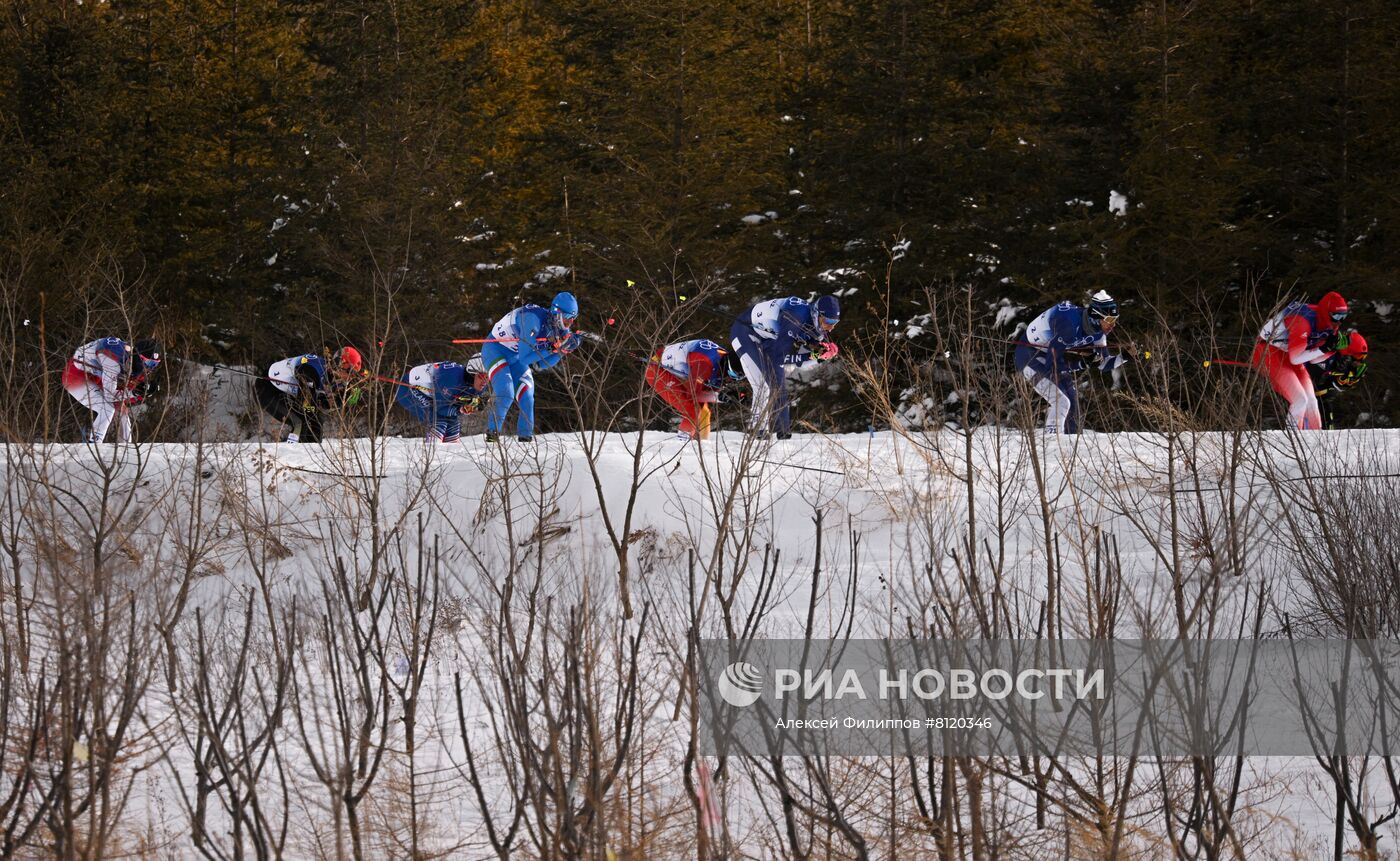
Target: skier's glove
pixel 567 344
pixel 1350 377
pixel 1336 341
pixel 827 351
pixel 1068 363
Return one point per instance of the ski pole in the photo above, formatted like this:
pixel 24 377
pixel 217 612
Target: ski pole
pixel 419 342
pixel 795 466
pixel 391 380
pixel 1206 363
pixel 1016 342
pixel 364 375
pixel 218 366
pixel 423 389
pixel 1348 476
pixel 420 389
pixel 588 336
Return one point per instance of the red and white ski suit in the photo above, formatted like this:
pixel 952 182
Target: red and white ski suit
pixel 96 378
pixel 682 376
pixel 1287 343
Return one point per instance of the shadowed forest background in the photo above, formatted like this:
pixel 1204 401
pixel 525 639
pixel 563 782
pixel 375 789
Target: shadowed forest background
pixel 253 178
pixel 374 648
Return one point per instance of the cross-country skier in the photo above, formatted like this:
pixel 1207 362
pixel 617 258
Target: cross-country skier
pixel 438 394
pixel 299 389
pixel 1294 337
pixel 773 334
pixel 688 376
pixel 528 337
pixel 1337 373
pixel 108 376
pixel 1057 344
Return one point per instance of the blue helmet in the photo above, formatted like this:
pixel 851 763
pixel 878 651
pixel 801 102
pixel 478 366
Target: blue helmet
pixel 826 313
pixel 563 311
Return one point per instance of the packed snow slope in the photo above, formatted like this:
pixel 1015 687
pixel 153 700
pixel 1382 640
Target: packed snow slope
pixel 899 513
pixel 630 543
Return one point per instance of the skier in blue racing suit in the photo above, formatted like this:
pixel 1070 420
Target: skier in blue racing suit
pixel 438 394
pixel 528 337
pixel 776 333
pixel 1057 344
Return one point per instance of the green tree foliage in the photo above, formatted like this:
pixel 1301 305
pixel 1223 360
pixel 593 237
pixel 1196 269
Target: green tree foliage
pixel 281 174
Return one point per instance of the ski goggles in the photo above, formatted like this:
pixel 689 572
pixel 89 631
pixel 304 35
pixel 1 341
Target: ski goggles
pixel 564 321
pixel 1338 316
pixel 828 323
pixel 150 363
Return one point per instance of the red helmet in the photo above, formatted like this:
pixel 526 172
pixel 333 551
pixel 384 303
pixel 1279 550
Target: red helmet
pixel 1356 346
pixel 349 357
pixel 1332 310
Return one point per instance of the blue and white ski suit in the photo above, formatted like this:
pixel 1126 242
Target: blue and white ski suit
pixel 766 338
pixel 525 338
pixel 1043 357
pixel 435 394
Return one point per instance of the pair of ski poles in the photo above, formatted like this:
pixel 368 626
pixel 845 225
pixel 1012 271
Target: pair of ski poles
pixel 1146 354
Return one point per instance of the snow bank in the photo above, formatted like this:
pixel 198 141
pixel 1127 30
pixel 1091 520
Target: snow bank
pixel 867 535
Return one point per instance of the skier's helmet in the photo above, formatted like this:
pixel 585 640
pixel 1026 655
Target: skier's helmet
pixel 827 313
pixel 1103 311
pixel 1357 347
pixel 148 349
pixel 1332 310
pixel 563 311
pixel 348 359
pixel 476 366
pixel 730 362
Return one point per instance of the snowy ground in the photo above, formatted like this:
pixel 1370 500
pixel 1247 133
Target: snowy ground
pixel 916 531
pixel 893 492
